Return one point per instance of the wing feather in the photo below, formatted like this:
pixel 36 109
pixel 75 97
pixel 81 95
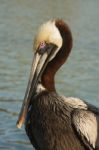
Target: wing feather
pixel 86 125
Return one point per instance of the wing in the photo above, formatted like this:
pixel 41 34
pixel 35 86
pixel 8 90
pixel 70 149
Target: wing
pixel 86 125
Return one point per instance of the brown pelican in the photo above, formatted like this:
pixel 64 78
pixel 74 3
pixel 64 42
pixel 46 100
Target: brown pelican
pixel 52 121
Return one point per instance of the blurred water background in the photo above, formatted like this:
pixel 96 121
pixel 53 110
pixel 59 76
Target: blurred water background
pixel 19 20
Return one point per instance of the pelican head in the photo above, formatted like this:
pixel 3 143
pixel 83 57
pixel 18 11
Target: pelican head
pixel 52 45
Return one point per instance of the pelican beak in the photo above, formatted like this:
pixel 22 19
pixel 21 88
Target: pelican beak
pixel 40 61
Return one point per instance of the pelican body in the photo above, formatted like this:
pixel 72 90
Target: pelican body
pixel 52 121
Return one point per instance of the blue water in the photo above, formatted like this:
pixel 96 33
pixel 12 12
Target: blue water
pixel 19 20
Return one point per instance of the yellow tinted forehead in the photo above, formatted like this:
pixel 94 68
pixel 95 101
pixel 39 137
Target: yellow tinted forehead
pixel 49 33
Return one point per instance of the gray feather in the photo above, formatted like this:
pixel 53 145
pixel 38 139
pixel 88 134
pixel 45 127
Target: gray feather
pixel 85 123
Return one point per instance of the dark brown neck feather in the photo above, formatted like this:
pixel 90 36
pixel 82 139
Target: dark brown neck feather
pixel 47 78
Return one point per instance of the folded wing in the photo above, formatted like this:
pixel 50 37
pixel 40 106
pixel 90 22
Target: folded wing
pixel 86 126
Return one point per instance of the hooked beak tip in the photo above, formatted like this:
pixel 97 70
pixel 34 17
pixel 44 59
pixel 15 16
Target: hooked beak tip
pixel 19 125
pixel 20 120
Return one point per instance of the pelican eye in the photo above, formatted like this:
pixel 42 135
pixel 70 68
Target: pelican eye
pixel 42 47
pixel 45 47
